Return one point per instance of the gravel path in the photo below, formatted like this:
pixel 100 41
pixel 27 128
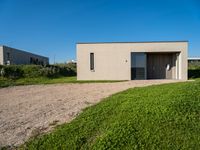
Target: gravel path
pixel 26 111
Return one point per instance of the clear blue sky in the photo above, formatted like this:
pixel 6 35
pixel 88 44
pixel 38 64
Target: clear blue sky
pixel 51 28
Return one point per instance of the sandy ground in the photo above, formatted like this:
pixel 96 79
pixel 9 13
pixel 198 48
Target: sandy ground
pixel 26 111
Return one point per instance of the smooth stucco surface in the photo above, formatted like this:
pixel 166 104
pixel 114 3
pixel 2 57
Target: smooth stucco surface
pixel 113 60
pixel 1 55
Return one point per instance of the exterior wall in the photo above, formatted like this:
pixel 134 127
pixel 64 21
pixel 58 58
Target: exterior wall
pixel 174 66
pixel 113 60
pixel 20 57
pixel 1 55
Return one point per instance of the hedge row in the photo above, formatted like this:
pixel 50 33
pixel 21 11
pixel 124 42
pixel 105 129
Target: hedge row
pixel 194 73
pixel 194 65
pixel 31 71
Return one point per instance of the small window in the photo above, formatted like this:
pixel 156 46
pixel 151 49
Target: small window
pixel 8 56
pixel 31 60
pixel 91 61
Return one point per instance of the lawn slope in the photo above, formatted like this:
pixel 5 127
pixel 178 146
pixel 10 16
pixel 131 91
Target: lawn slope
pixel 154 117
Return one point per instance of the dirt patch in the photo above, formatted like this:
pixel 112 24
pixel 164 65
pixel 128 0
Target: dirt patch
pixel 25 111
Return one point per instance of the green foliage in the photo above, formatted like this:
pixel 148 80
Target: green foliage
pixel 194 65
pixel 50 71
pixel 33 71
pixel 4 82
pixel 67 69
pixel 194 70
pixel 12 72
pixel 194 73
pixel 155 117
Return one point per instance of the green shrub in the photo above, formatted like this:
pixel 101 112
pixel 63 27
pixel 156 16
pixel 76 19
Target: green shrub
pixel 33 71
pixel 67 69
pixel 50 71
pixel 194 73
pixel 12 72
pixel 1 66
pixel 194 65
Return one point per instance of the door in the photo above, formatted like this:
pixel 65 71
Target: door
pixel 138 66
pixel 159 66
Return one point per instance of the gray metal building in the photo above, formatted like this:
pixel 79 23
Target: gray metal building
pixel 12 56
pixel 194 60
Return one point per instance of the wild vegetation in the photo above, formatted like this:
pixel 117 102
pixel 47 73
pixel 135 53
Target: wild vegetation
pixel 194 70
pixel 194 65
pixel 37 74
pixel 154 117
pixel 33 71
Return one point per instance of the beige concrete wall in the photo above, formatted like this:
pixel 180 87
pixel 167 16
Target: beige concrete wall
pixel 21 57
pixel 1 55
pixel 174 66
pixel 113 60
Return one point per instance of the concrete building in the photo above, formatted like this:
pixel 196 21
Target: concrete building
pixel 194 60
pixel 11 56
pixel 132 60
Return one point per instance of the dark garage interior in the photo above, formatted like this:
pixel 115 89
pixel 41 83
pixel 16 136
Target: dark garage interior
pixel 153 65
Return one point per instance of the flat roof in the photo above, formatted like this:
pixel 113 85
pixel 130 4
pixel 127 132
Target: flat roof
pixel 24 51
pixel 194 58
pixel 132 42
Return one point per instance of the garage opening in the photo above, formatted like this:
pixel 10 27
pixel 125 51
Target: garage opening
pixel 138 66
pixel 154 66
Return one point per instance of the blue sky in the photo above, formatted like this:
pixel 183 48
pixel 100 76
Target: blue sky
pixel 52 27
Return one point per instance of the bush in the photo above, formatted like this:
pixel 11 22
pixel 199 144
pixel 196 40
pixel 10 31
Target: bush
pixel 194 73
pixel 32 71
pixel 194 65
pixel 50 71
pixel 12 72
pixel 67 69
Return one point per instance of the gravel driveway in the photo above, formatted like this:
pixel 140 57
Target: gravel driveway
pixel 26 111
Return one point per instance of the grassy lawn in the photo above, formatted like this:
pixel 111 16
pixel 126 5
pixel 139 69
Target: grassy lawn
pixel 155 117
pixel 4 82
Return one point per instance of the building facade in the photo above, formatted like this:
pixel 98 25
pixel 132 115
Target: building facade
pixel 194 60
pixel 132 60
pixel 12 56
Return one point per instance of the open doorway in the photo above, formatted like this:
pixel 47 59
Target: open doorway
pixel 138 66
pixel 154 66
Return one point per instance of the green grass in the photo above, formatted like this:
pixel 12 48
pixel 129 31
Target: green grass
pixel 155 117
pixel 5 82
